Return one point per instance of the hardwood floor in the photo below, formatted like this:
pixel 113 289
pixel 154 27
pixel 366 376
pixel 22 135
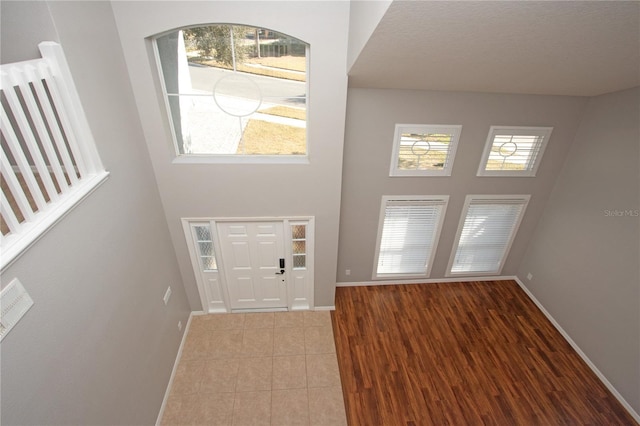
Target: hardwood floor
pixel 461 354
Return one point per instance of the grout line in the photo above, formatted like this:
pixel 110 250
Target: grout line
pixel 235 388
pixel 273 349
pixel 306 372
pixel 238 357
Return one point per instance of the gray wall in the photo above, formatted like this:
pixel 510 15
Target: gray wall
pixel 364 17
pixel 249 190
pixel 98 345
pixel 584 257
pixel 371 117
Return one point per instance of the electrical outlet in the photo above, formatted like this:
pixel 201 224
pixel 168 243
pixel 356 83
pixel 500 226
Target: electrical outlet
pixel 167 295
pixel 179 325
pixel 529 276
pixel 347 272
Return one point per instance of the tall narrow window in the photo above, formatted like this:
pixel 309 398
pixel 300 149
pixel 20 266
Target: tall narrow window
pixel 424 149
pixel 299 245
pixel 514 151
pixel 235 90
pixel 487 229
pixel 408 234
pixel 204 241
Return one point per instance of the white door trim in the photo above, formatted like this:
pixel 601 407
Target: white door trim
pixel 214 293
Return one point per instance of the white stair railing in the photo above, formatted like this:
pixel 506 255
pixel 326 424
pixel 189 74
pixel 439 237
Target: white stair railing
pixel 49 161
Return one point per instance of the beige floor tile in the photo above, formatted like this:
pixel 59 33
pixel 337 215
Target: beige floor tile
pixel 326 406
pixel 188 376
pixel 196 345
pixel 254 374
pixel 225 343
pixel 289 319
pixel 263 368
pixel 172 410
pixel 322 370
pixel 257 342
pixel 288 341
pixel 289 372
pixel 198 323
pixel 319 340
pixel 219 375
pixel 214 409
pixel 289 407
pixel 183 410
pixel 317 319
pixel 259 320
pixel 218 321
pixel 252 408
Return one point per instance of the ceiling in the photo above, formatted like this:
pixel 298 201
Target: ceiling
pixel 548 48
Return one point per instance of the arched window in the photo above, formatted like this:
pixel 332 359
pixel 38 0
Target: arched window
pixel 235 90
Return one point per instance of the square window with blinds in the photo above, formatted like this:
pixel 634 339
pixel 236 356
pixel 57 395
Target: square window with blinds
pixel 408 234
pixel 486 231
pixel 424 149
pixel 514 151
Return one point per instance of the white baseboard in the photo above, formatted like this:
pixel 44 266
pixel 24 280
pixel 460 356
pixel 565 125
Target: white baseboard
pixel 175 366
pixel 576 348
pixel 325 308
pixel 546 313
pixel 425 281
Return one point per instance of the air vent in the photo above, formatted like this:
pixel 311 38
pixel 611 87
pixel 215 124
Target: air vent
pixel 14 303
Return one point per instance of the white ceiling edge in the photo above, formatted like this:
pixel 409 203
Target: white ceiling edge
pixel 364 16
pixel 572 48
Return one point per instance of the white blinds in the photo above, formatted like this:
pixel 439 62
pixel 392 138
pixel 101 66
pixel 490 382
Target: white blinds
pixel 486 235
pixel 513 151
pixel 410 229
pixel 517 152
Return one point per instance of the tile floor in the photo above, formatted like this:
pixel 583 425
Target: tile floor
pixel 276 368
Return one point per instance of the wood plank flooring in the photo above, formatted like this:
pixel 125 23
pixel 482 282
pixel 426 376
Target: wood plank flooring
pixel 475 353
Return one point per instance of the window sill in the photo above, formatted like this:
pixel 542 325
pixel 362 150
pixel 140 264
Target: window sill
pixel 473 273
pixel 239 159
pixel 413 173
pixel 399 276
pixel 505 174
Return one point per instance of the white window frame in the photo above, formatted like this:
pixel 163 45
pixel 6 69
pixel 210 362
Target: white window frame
pixel 454 130
pixel 486 199
pixel 71 125
pixel 387 200
pixel 543 132
pixel 179 158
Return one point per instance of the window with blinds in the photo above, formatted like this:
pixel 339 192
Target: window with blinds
pixel 486 231
pixel 424 149
pixel 408 235
pixel 513 151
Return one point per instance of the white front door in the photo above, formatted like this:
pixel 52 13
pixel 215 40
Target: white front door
pixel 251 253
